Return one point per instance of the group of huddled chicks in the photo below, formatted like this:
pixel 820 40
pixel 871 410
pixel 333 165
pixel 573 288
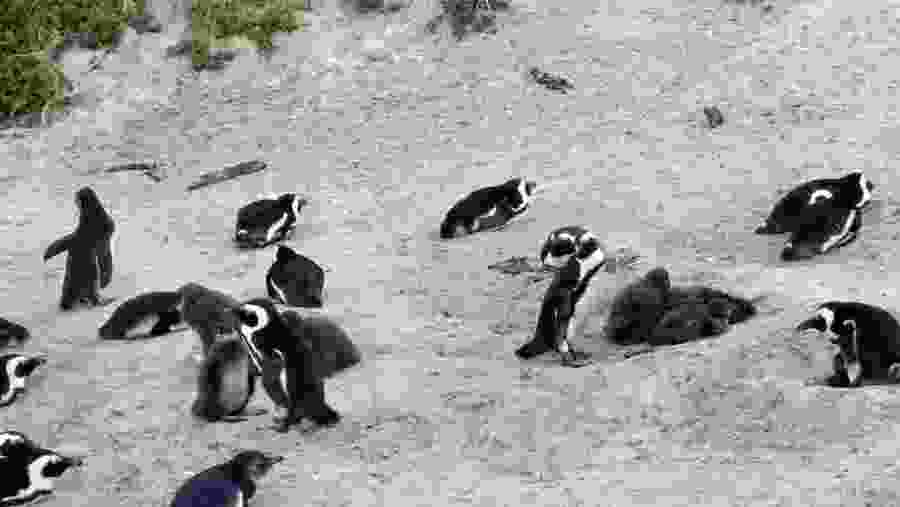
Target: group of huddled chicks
pixel 294 355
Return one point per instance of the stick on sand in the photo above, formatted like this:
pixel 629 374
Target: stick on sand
pixel 228 173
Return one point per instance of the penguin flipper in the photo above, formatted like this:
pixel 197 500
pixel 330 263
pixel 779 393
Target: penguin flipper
pixel 104 260
pixel 59 246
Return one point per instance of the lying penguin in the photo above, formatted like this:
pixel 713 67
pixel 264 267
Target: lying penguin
pixel 149 314
pixel 29 471
pixel 822 228
pixel 488 208
pixel 651 310
pixel 267 221
pixel 295 280
pixel 295 356
pixel 853 191
pixel 16 368
pixel 230 484
pixel 868 340
pixel 561 244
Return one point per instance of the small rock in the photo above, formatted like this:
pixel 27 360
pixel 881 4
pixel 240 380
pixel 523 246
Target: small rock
pixel 714 117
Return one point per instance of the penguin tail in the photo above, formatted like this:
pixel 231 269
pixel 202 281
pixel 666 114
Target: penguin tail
pixel 448 230
pixel 744 309
pixel 59 246
pixel 767 228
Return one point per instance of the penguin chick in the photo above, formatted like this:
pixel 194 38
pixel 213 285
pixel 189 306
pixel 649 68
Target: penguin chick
pixel 230 484
pixel 691 321
pixel 208 313
pixel 226 383
pixel 16 368
pixel 637 308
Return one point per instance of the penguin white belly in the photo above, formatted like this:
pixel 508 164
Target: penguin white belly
pixel 142 328
pixel 234 386
pixel 274 228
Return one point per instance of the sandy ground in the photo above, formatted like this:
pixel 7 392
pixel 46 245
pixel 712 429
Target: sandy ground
pixel 384 130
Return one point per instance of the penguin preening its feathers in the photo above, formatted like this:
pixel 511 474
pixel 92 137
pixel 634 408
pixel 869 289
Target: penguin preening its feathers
pixel 868 341
pixel 561 316
pixel 488 208
pixel 14 372
pixel 89 264
pixel 296 355
pixel 295 280
pixel 561 244
pixel 230 484
pixel 267 221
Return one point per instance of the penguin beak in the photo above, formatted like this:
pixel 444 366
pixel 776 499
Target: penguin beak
pixel 73 461
pixel 817 323
pixel 272 459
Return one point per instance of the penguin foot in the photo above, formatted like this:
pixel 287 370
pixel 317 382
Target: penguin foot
pixel 576 359
pixel 894 372
pixel 255 412
pixel 330 418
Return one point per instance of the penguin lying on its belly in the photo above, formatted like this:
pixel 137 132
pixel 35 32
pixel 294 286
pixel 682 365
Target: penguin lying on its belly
pixel 230 484
pixel 14 371
pixel 267 221
pixel 158 311
pixel 487 208
pixel 852 191
pixel 822 229
pixel 28 470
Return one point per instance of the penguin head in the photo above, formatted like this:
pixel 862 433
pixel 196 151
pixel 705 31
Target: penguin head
pixel 258 320
pixel 46 464
pixel 657 278
pixel 14 443
pixel 520 193
pixel 560 245
pixel 255 464
pixel 859 187
pixel 833 317
pixel 295 203
pixel 19 367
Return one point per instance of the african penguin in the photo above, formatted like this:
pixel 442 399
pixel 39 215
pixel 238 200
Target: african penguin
pixel 822 228
pixel 89 263
pixel 637 308
pixel 29 473
pixel 158 311
pixel 853 191
pixel 11 332
pixel 226 383
pixel 230 484
pixel 208 313
pixel 868 340
pixel 561 316
pixel 267 221
pixel 561 244
pixel 488 208
pixel 295 280
pixel 16 368
pixel 310 350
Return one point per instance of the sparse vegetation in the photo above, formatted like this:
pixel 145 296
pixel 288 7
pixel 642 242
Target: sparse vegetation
pixel 465 17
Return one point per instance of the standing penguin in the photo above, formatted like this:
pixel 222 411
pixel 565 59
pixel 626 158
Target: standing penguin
pixel 207 312
pixel 308 350
pixel 853 191
pixel 868 339
pixel 561 315
pixel 29 473
pixel 14 371
pixel 295 279
pixel 11 332
pixel 89 264
pixel 226 383
pixel 267 221
pixel 230 484
pixel 157 310
pixel 488 208
pixel 561 244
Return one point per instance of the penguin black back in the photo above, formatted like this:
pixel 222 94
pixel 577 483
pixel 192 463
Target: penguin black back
pixel 295 280
pixel 230 484
pixel 267 221
pixel 160 307
pixel 487 208
pixel 822 228
pixel 851 191
pixel 89 263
